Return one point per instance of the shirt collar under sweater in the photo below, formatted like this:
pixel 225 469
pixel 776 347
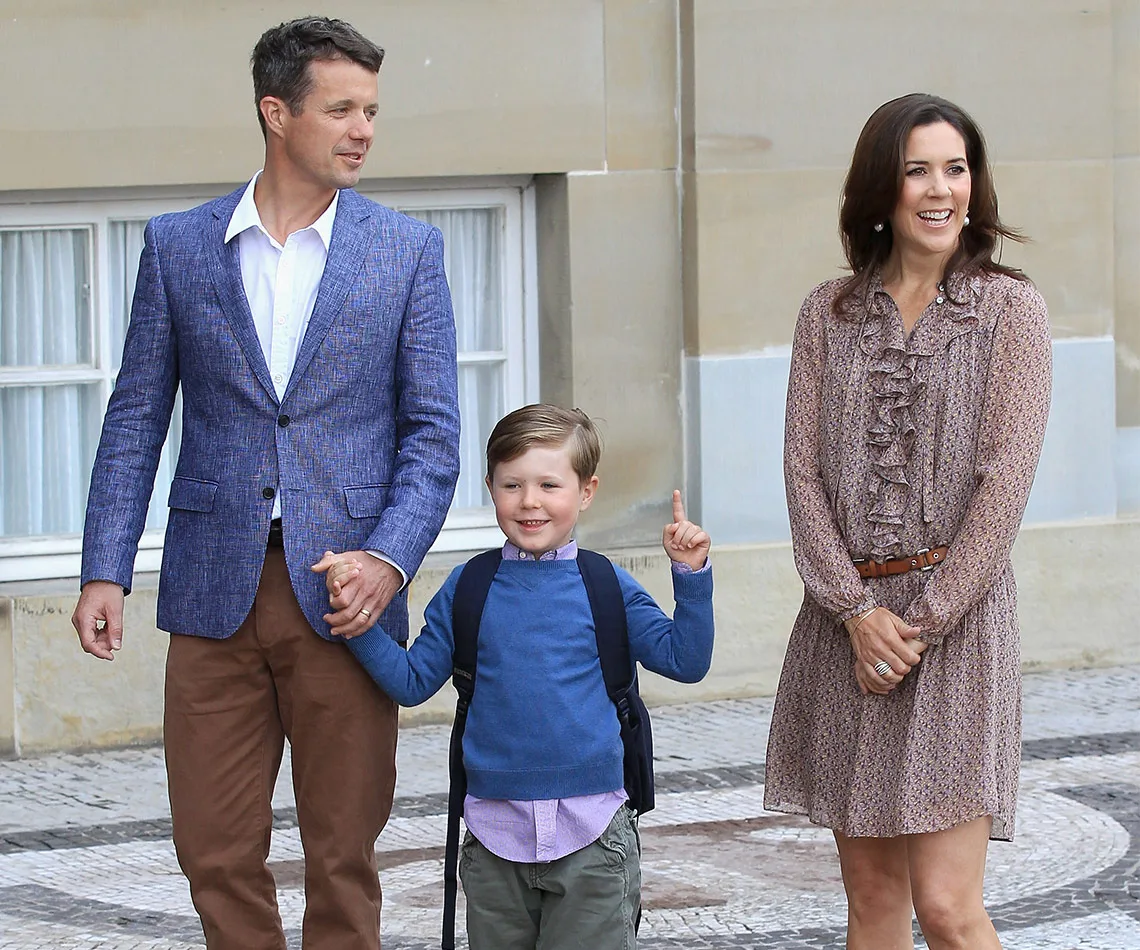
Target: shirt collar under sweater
pixel 568 552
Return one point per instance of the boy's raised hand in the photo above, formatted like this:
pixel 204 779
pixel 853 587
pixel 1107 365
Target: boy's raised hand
pixel 684 541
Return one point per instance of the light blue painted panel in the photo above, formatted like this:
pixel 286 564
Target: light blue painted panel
pixel 741 432
pixel 1077 474
pixel 735 423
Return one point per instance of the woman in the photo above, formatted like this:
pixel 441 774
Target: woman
pixel 916 408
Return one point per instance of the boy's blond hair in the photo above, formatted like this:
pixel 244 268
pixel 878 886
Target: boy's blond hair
pixel 543 424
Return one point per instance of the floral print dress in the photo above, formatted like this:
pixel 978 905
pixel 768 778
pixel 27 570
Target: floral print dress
pixel 896 443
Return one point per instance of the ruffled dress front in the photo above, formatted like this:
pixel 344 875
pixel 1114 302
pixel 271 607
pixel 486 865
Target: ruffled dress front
pixel 893 444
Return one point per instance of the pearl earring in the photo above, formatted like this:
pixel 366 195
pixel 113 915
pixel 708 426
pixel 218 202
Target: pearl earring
pixel 966 222
pixel 879 226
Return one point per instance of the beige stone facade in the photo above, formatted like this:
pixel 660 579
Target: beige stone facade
pixel 682 161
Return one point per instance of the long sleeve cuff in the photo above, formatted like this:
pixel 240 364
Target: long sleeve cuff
pixel 921 614
pixel 379 555
pixel 370 647
pixel 867 603
pixel 693 585
pixel 680 567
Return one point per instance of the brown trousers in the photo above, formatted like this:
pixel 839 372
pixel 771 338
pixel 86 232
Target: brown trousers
pixel 230 704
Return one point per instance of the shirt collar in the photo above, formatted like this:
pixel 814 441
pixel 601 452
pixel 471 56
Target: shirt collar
pixel 567 552
pixel 246 216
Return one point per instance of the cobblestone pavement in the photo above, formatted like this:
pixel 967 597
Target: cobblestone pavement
pixel 86 861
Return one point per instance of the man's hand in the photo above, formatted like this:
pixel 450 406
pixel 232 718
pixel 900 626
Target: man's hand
pixel 684 541
pixel 99 602
pixel 362 596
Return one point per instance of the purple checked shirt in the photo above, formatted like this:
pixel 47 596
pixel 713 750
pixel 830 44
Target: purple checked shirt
pixel 529 832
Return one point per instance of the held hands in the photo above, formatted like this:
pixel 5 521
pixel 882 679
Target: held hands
pixel 684 541
pixel 881 636
pixel 360 587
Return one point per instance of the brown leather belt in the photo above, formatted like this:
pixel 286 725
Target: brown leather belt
pixel 925 560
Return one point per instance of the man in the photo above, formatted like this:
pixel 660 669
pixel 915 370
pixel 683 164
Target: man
pixel 312 335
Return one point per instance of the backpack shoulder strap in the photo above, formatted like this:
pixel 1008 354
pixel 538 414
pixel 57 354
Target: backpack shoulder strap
pixel 608 606
pixel 466 614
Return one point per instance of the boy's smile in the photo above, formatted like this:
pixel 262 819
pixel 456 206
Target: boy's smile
pixel 538 498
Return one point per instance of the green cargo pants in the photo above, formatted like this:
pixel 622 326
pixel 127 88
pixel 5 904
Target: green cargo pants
pixel 587 900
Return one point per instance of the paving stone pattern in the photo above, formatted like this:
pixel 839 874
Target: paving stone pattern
pixel 86 861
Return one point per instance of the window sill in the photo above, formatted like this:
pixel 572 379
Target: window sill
pixel 57 560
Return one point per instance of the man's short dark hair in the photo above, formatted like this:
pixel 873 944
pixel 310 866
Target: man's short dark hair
pixel 281 58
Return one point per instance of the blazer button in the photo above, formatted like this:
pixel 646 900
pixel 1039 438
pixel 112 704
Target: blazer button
pixel 267 492
pixel 283 421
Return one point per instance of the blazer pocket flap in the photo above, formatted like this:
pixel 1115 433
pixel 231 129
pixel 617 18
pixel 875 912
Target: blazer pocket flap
pixel 192 494
pixel 366 501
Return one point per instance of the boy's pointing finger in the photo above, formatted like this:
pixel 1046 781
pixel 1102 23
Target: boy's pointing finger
pixel 678 507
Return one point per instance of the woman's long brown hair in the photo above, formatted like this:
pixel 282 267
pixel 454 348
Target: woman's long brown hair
pixel 874 183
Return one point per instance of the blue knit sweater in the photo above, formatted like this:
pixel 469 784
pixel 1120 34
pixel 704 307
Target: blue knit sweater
pixel 541 725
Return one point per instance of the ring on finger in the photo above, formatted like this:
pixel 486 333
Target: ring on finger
pixel 366 611
pixel 882 668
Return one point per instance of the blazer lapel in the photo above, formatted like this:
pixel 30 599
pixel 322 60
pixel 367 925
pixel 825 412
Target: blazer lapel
pixel 352 236
pixel 225 265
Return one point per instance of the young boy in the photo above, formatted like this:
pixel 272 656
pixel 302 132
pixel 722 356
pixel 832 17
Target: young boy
pixel 551 856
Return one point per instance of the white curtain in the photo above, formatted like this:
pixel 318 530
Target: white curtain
pixel 473 259
pixel 126 244
pixel 47 431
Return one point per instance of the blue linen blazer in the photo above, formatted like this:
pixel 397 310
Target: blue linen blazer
pixel 362 449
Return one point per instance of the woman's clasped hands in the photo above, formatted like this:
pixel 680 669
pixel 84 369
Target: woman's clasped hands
pixel 886 649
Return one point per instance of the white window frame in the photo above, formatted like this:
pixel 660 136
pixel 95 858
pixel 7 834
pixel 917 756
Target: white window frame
pixel 58 556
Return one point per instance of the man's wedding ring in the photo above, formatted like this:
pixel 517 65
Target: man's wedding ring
pixel 368 613
pixel 882 668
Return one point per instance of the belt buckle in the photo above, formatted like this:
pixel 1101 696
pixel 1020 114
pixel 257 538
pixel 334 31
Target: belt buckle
pixel 919 553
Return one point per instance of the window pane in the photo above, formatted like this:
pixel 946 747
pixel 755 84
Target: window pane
pixel 45 297
pixel 126 243
pixel 473 259
pixel 480 406
pixel 49 434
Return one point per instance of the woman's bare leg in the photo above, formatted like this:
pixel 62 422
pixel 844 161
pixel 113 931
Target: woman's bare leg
pixel 877 880
pixel 946 873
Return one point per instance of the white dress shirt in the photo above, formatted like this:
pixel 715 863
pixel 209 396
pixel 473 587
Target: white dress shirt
pixel 281 283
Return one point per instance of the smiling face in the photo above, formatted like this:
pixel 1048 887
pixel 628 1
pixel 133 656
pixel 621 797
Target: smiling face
pixel 538 498
pixel 327 142
pixel 935 196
